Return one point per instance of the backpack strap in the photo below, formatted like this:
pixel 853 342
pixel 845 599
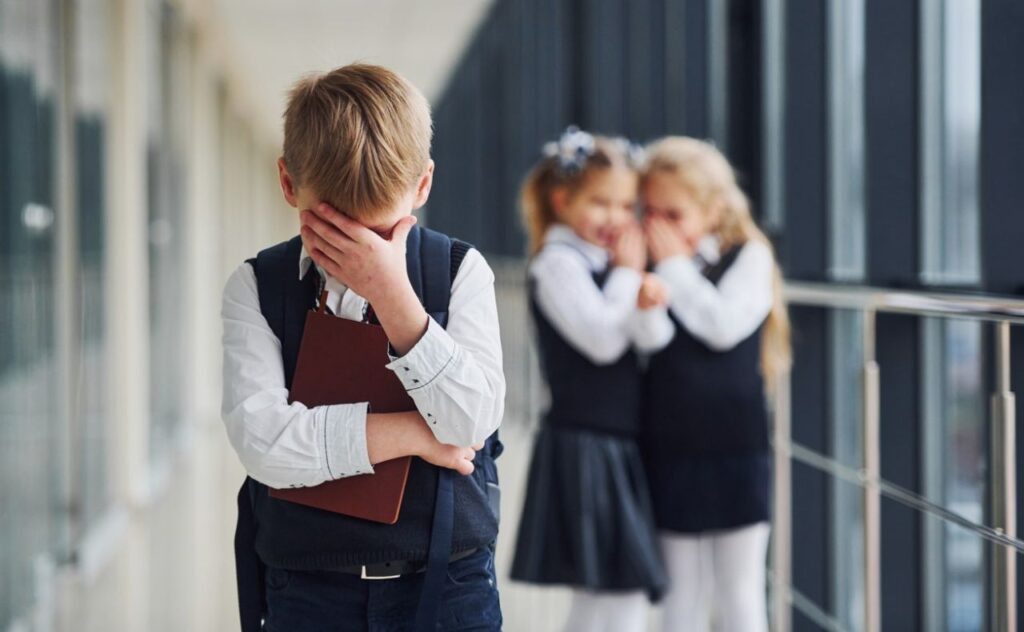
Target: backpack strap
pixel 435 264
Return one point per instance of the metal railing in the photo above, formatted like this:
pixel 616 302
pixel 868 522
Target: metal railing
pixel 1002 532
pixel 525 394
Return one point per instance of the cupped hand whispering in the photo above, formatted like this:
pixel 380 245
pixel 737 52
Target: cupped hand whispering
pixel 664 241
pixel 629 248
pixel 368 263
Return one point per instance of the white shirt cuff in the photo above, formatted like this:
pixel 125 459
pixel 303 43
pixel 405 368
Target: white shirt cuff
pixel 345 451
pixel 428 359
pixel 624 281
pixel 653 329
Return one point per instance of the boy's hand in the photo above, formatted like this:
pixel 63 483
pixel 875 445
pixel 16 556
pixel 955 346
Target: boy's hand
pixel 369 264
pixel 664 241
pixel 653 292
pixel 451 457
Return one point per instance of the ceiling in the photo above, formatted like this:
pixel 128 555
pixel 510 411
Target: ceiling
pixel 273 42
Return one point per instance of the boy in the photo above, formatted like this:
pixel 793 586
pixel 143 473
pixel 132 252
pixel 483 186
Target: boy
pixel 356 164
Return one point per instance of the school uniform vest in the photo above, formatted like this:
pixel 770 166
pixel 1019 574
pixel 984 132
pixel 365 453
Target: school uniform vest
pixel 700 401
pixel 293 536
pixel 585 395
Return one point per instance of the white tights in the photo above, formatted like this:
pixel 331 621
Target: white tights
pixel 607 612
pixel 717 580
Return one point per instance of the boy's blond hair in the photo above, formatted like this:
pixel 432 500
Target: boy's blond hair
pixel 357 136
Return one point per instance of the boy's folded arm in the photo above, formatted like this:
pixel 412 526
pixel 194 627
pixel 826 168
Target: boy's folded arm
pixel 455 375
pixel 279 444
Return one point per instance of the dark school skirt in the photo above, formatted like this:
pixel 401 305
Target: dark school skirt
pixel 587 520
pixel 708 492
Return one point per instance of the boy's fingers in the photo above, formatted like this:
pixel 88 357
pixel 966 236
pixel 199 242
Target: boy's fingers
pixel 327 264
pixel 402 228
pixel 325 229
pixel 321 244
pixel 351 228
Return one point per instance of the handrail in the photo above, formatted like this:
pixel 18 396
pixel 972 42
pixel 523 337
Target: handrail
pixel 869 301
pixel 922 303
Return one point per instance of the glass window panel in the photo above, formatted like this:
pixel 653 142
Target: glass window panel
pixel 33 526
pixel 92 82
pixel 955 461
pixel 846 139
pixel 955 578
pixel 951 121
pixel 167 100
pixel 773 113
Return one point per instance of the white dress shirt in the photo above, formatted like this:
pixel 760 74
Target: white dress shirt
pixel 601 323
pixel 723 315
pixel 454 376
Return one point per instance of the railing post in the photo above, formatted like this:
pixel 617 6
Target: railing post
pixel 872 473
pixel 782 510
pixel 1003 484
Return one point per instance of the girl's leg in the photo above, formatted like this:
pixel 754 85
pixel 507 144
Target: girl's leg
pixel 607 612
pixel 688 601
pixel 583 616
pixel 624 611
pixel 739 593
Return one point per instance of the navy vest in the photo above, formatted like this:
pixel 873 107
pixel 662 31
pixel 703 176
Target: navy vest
pixel 293 536
pixel 700 401
pixel 585 395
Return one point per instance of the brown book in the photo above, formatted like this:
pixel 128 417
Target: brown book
pixel 342 361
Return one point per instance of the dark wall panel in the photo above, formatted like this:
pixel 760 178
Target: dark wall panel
pixel 803 247
pixel 898 353
pixel 891 112
pixel 1002 145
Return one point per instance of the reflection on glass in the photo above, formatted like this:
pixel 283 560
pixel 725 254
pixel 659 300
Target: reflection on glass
pixel 955 459
pixel 847 441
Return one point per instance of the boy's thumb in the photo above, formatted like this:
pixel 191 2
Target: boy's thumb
pixel 402 228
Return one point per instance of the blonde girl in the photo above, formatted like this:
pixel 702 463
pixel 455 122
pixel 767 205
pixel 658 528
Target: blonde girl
pixel 587 519
pixel 721 344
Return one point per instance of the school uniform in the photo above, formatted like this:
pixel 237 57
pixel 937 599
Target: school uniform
pixel 317 568
pixel 587 519
pixel 705 434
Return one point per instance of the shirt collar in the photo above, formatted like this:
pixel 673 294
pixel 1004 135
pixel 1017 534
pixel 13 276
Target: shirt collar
pixel 304 262
pixel 596 256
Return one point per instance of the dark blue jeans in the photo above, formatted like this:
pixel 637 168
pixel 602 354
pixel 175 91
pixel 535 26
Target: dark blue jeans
pixel 324 601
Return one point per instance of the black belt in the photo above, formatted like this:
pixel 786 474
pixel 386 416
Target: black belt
pixel 394 570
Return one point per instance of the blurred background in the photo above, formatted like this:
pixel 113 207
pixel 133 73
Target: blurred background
pixel 880 140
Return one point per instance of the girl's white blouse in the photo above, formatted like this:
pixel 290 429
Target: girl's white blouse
pixel 721 316
pixel 600 323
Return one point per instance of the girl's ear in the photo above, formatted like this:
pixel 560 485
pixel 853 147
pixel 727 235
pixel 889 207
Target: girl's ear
pixel 716 214
pixel 559 200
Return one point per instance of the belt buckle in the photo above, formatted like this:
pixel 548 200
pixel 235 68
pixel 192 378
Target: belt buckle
pixel 363 575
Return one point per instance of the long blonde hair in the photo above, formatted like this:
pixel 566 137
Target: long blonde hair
pixel 706 174
pixel 549 174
